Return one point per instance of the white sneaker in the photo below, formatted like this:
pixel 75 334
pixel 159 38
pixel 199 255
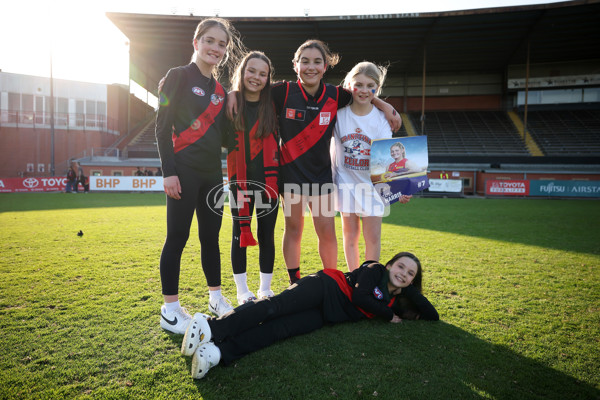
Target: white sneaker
pixel 197 333
pixel 245 298
pixel 205 357
pixel 265 294
pixel 175 321
pixel 221 307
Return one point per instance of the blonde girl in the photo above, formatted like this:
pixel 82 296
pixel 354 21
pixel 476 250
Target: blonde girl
pixel 357 126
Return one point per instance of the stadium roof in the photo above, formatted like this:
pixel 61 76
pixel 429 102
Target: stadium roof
pixel 482 40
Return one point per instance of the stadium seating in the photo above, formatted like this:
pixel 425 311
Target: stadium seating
pixel 473 133
pixel 565 132
pixel 470 133
pixel 143 145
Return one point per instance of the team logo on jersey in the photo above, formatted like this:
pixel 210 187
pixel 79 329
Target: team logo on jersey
pixel 377 293
pixel 215 99
pixel 298 115
pixel 324 118
pixel 196 124
pixel 357 147
pixel 197 91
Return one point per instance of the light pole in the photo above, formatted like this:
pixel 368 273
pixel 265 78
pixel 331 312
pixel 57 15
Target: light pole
pixel 52 167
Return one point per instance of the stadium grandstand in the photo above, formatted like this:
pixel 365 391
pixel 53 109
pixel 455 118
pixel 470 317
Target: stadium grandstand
pixel 502 92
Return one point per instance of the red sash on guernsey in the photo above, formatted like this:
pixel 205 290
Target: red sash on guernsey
pixel 236 169
pixel 340 279
pixel 310 135
pixel 201 124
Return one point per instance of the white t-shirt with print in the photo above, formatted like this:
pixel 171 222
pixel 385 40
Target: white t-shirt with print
pixel 350 156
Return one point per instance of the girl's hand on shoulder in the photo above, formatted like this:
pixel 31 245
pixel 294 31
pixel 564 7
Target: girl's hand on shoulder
pixel 231 104
pixel 172 187
pixel 393 117
pixel 396 319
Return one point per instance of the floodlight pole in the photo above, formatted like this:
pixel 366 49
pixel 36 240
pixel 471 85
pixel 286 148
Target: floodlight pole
pixel 52 166
pixel 526 91
pixel 128 87
pixel 423 92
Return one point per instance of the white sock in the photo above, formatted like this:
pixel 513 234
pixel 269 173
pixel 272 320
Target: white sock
pixel 214 295
pixel 174 306
pixel 241 282
pixel 265 282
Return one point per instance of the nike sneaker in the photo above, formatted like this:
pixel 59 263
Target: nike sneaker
pixel 246 298
pixel 175 321
pixel 220 307
pixel 263 294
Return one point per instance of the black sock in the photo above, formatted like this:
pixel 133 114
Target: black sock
pixel 294 275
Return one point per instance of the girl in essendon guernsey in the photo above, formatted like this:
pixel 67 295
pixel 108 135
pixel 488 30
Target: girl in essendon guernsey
pixel 306 112
pixel 391 292
pixel 188 132
pixel 253 169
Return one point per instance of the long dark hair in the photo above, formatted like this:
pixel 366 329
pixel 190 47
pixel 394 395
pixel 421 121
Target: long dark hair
pixel 267 120
pixel 235 47
pixel 331 59
pixel 418 279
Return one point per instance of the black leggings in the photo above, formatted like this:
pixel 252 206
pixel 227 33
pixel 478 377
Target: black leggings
pixel 255 325
pixel 196 196
pixel 266 218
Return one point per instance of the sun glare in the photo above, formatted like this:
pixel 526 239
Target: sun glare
pixel 83 43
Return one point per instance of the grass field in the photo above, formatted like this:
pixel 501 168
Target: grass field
pixel 516 283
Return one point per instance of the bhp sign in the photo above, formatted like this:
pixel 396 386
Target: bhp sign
pixel 507 188
pixel 127 183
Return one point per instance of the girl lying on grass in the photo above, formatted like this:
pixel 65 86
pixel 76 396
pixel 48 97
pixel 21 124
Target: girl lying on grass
pixel 391 292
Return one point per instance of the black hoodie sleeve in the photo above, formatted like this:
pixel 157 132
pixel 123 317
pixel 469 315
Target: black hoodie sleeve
pixel 362 296
pixel 165 118
pixel 411 304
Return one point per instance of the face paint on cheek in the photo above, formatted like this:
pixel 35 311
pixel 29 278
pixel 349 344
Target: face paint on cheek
pixel 355 89
pixel 373 91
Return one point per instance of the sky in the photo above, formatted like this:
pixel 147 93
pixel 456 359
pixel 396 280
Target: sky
pixel 86 46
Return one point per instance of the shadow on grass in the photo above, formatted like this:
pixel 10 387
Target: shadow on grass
pixel 570 225
pixel 407 361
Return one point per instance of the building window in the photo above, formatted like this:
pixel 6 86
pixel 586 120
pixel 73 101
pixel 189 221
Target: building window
pixel 39 110
pixel 26 109
pixel 79 113
pixel 90 113
pixel 101 114
pixel 117 173
pixel 14 106
pixel 41 168
pixel 62 111
pixel 96 172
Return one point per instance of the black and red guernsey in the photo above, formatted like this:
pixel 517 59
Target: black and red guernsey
pixel 306 126
pixel 189 121
pixel 363 293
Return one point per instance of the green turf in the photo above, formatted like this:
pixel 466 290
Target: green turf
pixel 516 283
